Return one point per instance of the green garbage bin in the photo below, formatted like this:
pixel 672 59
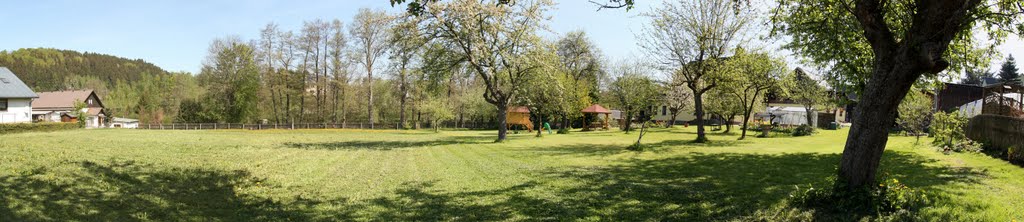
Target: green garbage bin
pixel 833 126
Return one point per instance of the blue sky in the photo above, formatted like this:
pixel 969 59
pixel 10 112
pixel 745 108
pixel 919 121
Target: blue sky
pixel 175 34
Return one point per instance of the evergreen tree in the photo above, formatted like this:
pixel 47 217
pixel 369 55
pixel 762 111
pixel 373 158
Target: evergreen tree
pixel 1008 73
pixel 975 77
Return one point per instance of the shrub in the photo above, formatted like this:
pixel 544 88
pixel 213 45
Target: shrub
pixel 891 200
pixel 965 145
pixel 803 130
pixel 948 129
pixel 36 127
pixel 1015 154
pixel 563 130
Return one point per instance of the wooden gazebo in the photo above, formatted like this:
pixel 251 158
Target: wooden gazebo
pixel 596 109
pixel 519 115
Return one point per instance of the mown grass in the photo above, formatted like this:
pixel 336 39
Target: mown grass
pixel 341 175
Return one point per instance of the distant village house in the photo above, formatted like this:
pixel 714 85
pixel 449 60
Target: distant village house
pixel 15 98
pixel 58 106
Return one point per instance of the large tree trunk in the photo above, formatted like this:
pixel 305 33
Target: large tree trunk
pixel 810 118
pixel 627 122
pixel 405 95
pixel 566 123
pixel 540 125
pixel 897 65
pixel 502 122
pixel 870 131
pixel 743 131
pixel 369 96
pixel 698 110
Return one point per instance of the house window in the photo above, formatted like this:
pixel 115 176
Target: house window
pixel 89 101
pixel 3 104
pixel 663 108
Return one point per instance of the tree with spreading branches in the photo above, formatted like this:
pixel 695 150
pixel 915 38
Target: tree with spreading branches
pixel 691 39
pixel 493 40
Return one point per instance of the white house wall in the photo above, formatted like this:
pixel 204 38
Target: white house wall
pixel 18 111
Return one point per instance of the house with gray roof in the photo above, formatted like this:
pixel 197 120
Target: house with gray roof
pixel 15 98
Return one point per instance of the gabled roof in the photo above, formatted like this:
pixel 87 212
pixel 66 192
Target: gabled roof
pixel 595 109
pixel 12 87
pixel 519 109
pixel 61 99
pixel 124 120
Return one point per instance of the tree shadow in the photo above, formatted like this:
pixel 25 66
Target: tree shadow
pixel 125 191
pixel 692 143
pixel 384 145
pixel 695 187
pixel 604 149
pixel 700 187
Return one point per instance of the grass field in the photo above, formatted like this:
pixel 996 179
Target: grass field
pixel 328 175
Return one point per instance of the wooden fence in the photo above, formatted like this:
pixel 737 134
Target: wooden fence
pixel 252 126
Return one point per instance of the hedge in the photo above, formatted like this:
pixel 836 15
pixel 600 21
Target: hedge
pixel 36 127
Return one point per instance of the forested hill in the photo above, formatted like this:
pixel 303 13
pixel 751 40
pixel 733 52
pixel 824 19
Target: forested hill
pixel 46 69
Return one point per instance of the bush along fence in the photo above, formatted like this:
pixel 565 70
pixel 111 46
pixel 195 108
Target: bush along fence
pixel 254 126
pixel 36 127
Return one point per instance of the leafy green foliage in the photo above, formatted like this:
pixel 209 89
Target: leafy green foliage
pixel 46 69
pixel 634 92
pixel 806 91
pixel 691 39
pixel 438 110
pixel 233 82
pixel 803 130
pixel 752 75
pixel 1015 154
pixel 496 49
pixel 891 200
pixel 130 88
pixel 581 60
pixel 79 111
pixel 948 129
pixel 37 127
pixel 915 113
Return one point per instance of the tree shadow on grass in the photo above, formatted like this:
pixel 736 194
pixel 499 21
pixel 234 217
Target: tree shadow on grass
pixel 692 143
pixel 382 145
pixel 699 187
pixel 125 191
pixel 604 149
pixel 695 187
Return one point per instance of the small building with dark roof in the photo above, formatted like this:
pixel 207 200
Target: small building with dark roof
pixel 953 95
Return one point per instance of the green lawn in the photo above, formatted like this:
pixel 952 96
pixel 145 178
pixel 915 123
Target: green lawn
pixel 328 175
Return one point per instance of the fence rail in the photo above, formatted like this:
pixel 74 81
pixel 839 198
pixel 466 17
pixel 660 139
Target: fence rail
pixel 252 126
